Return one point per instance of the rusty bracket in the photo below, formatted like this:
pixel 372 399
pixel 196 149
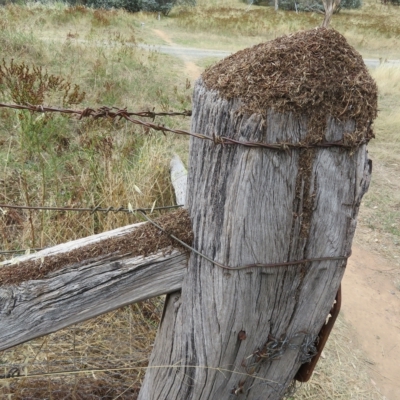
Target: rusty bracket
pixel 305 371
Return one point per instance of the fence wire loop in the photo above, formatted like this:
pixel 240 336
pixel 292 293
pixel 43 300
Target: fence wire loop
pixel 274 348
pixel 217 139
pixel 240 267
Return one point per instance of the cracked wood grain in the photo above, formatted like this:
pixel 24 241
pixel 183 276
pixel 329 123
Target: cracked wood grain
pixel 247 206
pixel 80 291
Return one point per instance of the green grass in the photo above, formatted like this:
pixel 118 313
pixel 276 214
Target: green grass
pixel 373 30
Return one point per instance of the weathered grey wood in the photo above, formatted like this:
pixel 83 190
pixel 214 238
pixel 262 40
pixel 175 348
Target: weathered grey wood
pixel 84 290
pixel 245 210
pixel 179 179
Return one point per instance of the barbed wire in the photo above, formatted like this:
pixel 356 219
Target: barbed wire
pixel 97 113
pixel 142 212
pixel 89 209
pixel 274 348
pixel 113 112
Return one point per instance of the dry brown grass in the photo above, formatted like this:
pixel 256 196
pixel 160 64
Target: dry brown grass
pixel 100 359
pixel 54 160
pixel 342 372
pixel 105 358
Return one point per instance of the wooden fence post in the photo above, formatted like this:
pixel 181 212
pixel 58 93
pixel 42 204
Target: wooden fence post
pixel 245 332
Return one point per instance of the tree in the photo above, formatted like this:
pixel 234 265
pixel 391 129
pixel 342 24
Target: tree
pixel 330 7
pixel 308 5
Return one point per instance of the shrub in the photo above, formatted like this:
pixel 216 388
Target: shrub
pixel 394 2
pixel 26 84
pixel 128 5
pixel 163 6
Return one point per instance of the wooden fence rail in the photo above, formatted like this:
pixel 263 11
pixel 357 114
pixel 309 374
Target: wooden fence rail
pixel 82 290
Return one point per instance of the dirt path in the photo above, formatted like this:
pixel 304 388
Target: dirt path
pixel 164 36
pixel 192 70
pixel 189 52
pixel 371 304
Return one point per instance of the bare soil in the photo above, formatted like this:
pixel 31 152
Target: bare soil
pixel 164 36
pixel 191 70
pixel 371 304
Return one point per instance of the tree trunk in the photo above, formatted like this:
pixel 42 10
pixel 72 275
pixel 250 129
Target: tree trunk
pixel 248 331
pixel 330 7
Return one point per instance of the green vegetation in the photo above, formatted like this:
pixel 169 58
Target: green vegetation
pixel 53 159
pixel 159 6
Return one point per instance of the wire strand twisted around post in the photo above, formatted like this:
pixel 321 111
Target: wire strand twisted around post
pixel 255 265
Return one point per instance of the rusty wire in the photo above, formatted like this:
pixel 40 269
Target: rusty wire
pixel 88 209
pixel 274 348
pixel 104 111
pixel 255 265
pixel 176 239
pixel 113 112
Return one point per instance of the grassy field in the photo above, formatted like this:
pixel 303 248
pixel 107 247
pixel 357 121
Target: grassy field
pixel 230 25
pixel 55 160
pixel 76 57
